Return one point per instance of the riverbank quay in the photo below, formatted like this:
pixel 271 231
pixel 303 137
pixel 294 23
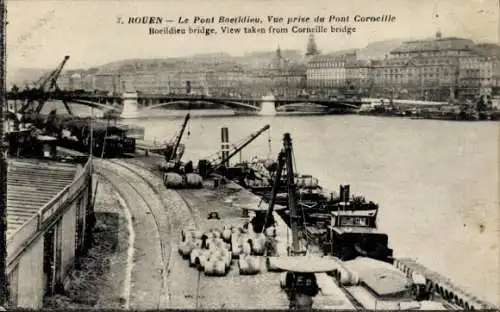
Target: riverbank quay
pixel 190 287
pixel 199 291
pixel 235 291
pixel 454 295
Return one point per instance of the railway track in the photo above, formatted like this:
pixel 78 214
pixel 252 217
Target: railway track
pixel 176 216
pixel 139 200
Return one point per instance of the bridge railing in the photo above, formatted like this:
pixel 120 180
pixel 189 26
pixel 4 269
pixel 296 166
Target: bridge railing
pixel 28 231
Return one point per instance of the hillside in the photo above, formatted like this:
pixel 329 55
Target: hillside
pixel 21 76
pixel 378 50
pixel 374 50
pixel 488 49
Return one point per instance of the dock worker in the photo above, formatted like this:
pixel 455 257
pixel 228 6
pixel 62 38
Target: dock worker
pixel 301 288
pixel 419 287
pixel 258 221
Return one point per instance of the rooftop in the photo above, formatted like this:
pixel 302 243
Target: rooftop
pixel 31 184
pixel 437 44
pixel 357 229
pixel 332 57
pixel 355 213
pixel 382 278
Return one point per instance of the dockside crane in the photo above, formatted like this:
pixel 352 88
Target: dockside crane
pixel 242 145
pixel 43 93
pixel 171 155
pixel 206 167
pixel 299 279
pixel 285 160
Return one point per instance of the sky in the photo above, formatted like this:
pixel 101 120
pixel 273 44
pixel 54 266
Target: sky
pixel 41 32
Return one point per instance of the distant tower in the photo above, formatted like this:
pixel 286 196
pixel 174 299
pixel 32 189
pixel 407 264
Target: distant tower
pixel 438 34
pixel 312 49
pixel 278 53
pixel 278 64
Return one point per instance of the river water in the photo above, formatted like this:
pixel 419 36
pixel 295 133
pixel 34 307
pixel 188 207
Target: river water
pixel 436 181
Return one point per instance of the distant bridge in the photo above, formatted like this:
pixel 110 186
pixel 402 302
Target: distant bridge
pixel 150 101
pixel 159 100
pixel 38 98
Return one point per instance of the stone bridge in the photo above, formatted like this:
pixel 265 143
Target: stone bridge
pixel 133 102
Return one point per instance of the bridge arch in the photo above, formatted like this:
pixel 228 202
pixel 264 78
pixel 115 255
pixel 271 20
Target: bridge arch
pixel 101 106
pixel 228 104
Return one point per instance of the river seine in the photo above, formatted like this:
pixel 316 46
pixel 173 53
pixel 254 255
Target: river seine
pixel 436 181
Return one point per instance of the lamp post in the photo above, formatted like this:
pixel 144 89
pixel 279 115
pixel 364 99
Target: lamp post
pixel 4 288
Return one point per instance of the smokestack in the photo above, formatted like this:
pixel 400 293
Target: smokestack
pixel 344 193
pixel 225 145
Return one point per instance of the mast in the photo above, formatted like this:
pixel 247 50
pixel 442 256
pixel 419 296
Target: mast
pixel 292 200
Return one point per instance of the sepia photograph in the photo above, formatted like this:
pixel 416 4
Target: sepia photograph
pixel 239 154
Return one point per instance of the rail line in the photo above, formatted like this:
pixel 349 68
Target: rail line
pixel 165 244
pixel 147 177
pixel 151 210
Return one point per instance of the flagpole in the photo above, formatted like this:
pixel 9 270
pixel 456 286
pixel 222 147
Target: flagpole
pixel 4 288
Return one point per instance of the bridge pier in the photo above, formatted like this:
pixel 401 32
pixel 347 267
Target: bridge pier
pixel 268 106
pixel 130 105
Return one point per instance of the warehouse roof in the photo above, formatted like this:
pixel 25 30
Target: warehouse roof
pixel 31 184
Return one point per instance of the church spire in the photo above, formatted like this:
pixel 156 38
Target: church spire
pixel 278 53
pixel 312 49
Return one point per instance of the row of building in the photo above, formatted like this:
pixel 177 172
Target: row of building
pixel 431 69
pixel 215 78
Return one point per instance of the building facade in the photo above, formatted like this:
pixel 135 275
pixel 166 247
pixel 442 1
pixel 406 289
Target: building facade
pixel 328 71
pixel 436 69
pixel 359 75
pixel 438 66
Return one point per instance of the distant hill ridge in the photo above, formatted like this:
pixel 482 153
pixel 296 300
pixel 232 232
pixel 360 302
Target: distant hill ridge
pixel 249 61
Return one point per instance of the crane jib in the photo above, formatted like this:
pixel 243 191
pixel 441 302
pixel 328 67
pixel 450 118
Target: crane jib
pixel 242 146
